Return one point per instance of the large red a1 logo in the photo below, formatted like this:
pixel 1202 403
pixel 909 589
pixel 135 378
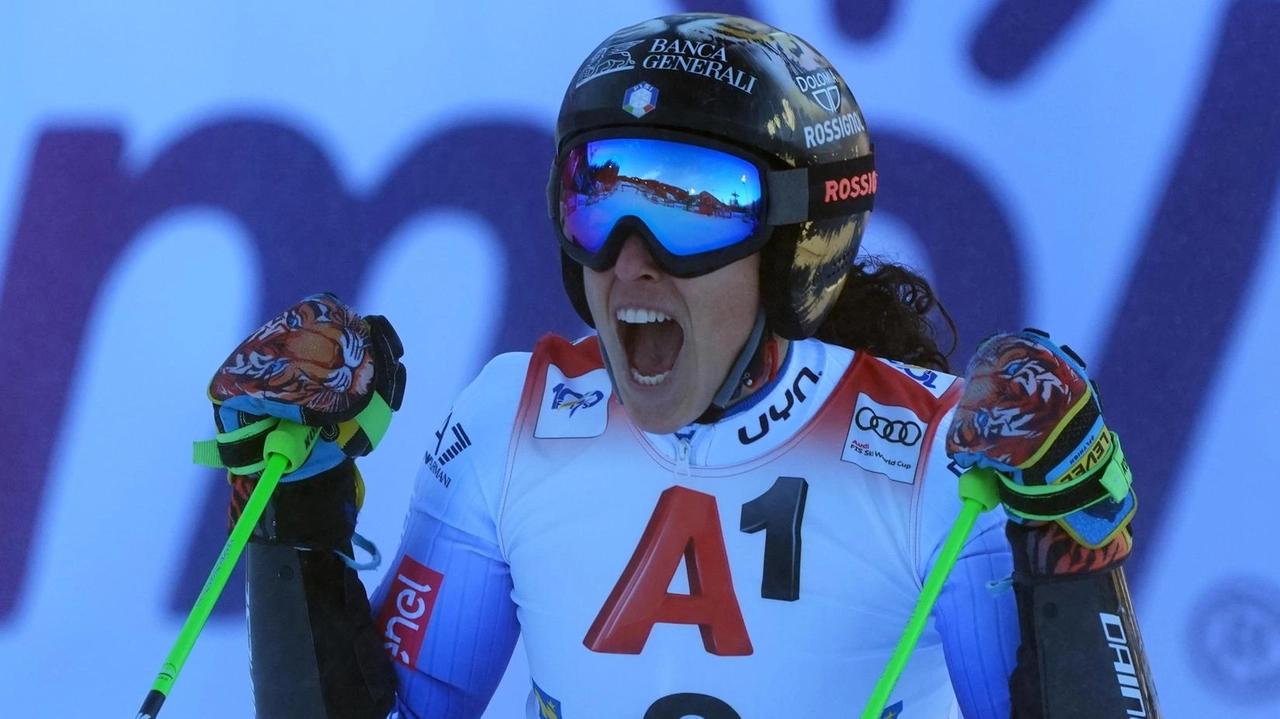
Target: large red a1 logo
pixel 685 524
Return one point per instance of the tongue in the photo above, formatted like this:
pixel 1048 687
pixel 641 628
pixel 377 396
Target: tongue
pixel 655 346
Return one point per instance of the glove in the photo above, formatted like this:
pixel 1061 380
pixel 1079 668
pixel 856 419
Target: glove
pixel 319 364
pixel 1030 413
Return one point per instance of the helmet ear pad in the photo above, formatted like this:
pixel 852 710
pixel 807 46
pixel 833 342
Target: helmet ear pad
pixel 802 270
pixel 575 287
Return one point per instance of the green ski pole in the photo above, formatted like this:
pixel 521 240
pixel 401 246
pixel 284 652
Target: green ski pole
pixel 286 448
pixel 979 490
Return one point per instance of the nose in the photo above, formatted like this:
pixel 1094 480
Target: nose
pixel 635 262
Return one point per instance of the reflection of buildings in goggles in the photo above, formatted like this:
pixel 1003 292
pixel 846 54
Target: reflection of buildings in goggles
pixel 593 183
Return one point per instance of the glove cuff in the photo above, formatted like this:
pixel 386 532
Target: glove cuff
pixel 318 514
pixel 1045 552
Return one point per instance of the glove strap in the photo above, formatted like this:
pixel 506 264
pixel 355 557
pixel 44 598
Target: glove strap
pixel 1111 478
pixel 360 437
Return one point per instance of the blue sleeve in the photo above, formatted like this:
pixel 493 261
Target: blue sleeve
pixel 979 625
pixel 472 629
pixel 445 608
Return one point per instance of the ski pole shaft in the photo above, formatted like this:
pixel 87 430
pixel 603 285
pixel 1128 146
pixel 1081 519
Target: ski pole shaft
pixel 979 492
pixel 286 448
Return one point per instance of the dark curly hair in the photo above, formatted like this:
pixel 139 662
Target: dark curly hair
pixel 885 309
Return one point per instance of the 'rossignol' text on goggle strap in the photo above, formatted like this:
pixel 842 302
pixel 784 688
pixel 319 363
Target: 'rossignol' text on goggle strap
pixel 821 192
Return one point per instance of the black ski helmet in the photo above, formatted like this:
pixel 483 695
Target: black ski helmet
pixel 746 83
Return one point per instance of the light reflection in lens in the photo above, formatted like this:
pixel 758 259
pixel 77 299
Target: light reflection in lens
pixel 694 199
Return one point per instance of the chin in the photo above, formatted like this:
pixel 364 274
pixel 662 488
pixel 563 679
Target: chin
pixel 660 426
pixel 655 415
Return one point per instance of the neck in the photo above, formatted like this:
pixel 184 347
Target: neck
pixel 756 366
pixel 764 366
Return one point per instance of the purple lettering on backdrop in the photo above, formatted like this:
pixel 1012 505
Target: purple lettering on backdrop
pixel 1015 34
pixel 731 7
pixel 1012 36
pixel 1198 257
pixel 81 210
pixel 964 231
pixel 862 19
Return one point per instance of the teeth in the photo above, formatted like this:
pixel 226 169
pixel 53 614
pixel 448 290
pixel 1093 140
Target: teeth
pixel 635 316
pixel 648 380
pixel 639 317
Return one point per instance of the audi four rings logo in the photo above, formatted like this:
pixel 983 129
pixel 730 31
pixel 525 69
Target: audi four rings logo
pixel 899 431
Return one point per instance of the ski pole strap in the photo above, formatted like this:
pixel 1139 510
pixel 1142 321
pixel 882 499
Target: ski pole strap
pixel 293 442
pixel 243 451
pixel 1109 478
pixel 980 486
pixel 372 423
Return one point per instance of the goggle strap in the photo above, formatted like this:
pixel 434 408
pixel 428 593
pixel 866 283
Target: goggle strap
pixel 788 197
pixel 821 192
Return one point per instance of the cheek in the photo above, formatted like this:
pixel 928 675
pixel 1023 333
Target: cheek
pixel 739 295
pixel 731 304
pixel 597 290
pixel 734 322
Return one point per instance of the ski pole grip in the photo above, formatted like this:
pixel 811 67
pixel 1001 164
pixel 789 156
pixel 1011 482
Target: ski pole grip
pixel 292 441
pixel 981 484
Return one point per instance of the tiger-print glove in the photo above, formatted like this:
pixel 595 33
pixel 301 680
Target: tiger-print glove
pixel 1030 413
pixel 319 364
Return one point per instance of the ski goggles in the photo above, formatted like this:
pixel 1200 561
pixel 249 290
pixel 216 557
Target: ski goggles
pixel 697 204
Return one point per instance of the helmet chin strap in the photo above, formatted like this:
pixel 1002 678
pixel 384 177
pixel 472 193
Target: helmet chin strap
pixel 741 376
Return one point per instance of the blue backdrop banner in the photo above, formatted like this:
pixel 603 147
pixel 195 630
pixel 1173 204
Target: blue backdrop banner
pixel 173 174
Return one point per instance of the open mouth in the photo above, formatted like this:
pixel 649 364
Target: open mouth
pixel 652 341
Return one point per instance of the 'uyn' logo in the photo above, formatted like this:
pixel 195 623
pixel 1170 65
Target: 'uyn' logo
pixel 566 398
pixel 793 395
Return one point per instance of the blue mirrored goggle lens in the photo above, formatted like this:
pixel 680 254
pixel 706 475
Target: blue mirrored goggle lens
pixel 693 199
